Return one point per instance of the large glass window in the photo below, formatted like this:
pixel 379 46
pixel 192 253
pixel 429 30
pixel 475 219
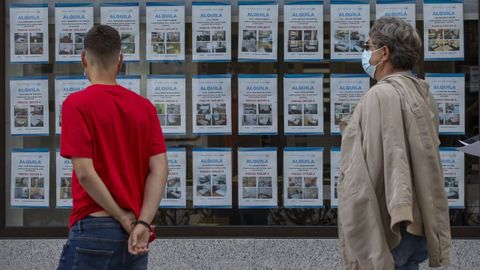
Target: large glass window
pixel 235 221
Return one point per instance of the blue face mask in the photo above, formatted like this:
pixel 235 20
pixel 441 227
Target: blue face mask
pixel 369 68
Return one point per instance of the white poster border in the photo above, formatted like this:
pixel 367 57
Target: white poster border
pixel 273 26
pixel 42 153
pixel 460 173
pixel 307 203
pixel 227 26
pixel 182 129
pixel 177 6
pixel 76 9
pixel 304 9
pixel 28 58
pixel 273 130
pixel 182 174
pixel 22 131
pixel 226 166
pixel 257 202
pixel 351 8
pixel 304 130
pixel 201 130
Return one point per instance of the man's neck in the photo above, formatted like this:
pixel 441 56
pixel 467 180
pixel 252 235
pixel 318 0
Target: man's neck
pixel 103 78
pixel 388 70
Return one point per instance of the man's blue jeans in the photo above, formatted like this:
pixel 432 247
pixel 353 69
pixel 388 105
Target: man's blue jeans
pixel 411 251
pixel 99 243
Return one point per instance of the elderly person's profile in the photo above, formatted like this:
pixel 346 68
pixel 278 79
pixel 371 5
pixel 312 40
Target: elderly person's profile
pixel 393 210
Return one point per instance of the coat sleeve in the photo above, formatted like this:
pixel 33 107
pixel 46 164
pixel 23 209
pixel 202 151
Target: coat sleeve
pixel 396 168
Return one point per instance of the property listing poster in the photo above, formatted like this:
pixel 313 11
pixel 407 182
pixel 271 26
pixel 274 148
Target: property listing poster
pixel 257 31
pixel 64 86
pixel 30 178
pixel 175 195
pixel 131 82
pixel 448 90
pixel 212 177
pixel 29 33
pixel 303 103
pixel 257 104
pixel 212 104
pixel 303 177
pixel 350 23
pixel 29 105
pixel 211 32
pixel 125 18
pixel 454 172
pixel 72 22
pixel 167 93
pixel 303 31
pixel 403 9
pixel 257 177
pixel 165 31
pixel 334 175
pixel 443 30
pixel 64 170
pixel 346 90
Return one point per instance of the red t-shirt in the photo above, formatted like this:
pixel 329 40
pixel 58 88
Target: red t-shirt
pixel 119 130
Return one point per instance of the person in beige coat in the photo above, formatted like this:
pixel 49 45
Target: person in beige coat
pixel 393 210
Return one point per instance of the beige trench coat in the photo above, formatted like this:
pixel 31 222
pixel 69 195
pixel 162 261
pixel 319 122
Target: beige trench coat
pixel 390 174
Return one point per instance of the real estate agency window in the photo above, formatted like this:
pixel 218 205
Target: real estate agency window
pixel 33 128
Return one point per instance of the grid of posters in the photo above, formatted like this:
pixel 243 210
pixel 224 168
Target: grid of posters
pixel 175 195
pixel 257 177
pixel 454 173
pixel 64 86
pixel 212 177
pixel 346 90
pixel 125 18
pixel 211 32
pixel 29 105
pixel 448 90
pixel 165 31
pixel 303 103
pixel 257 31
pixel 72 22
pixel 131 82
pixel 334 174
pixel 303 31
pixel 303 177
pixel 350 23
pixel 167 93
pixel 257 104
pixel 29 33
pixel 212 104
pixel 443 30
pixel 30 178
pixel 403 9
pixel 64 170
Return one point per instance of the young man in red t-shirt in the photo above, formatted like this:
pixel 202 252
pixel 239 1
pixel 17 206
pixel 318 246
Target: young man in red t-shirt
pixel 115 141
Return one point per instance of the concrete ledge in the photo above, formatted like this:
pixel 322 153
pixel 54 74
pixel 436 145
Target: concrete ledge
pixel 221 254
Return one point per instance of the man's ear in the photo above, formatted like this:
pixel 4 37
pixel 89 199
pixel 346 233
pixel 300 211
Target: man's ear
pixel 385 54
pixel 120 62
pixel 83 59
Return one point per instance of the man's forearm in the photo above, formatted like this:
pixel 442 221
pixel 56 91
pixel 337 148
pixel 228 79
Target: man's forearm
pixel 154 189
pixel 95 187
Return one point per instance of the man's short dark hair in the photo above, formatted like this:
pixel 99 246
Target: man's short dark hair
pixel 104 43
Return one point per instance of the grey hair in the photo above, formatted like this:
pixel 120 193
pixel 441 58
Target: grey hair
pixel 400 38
